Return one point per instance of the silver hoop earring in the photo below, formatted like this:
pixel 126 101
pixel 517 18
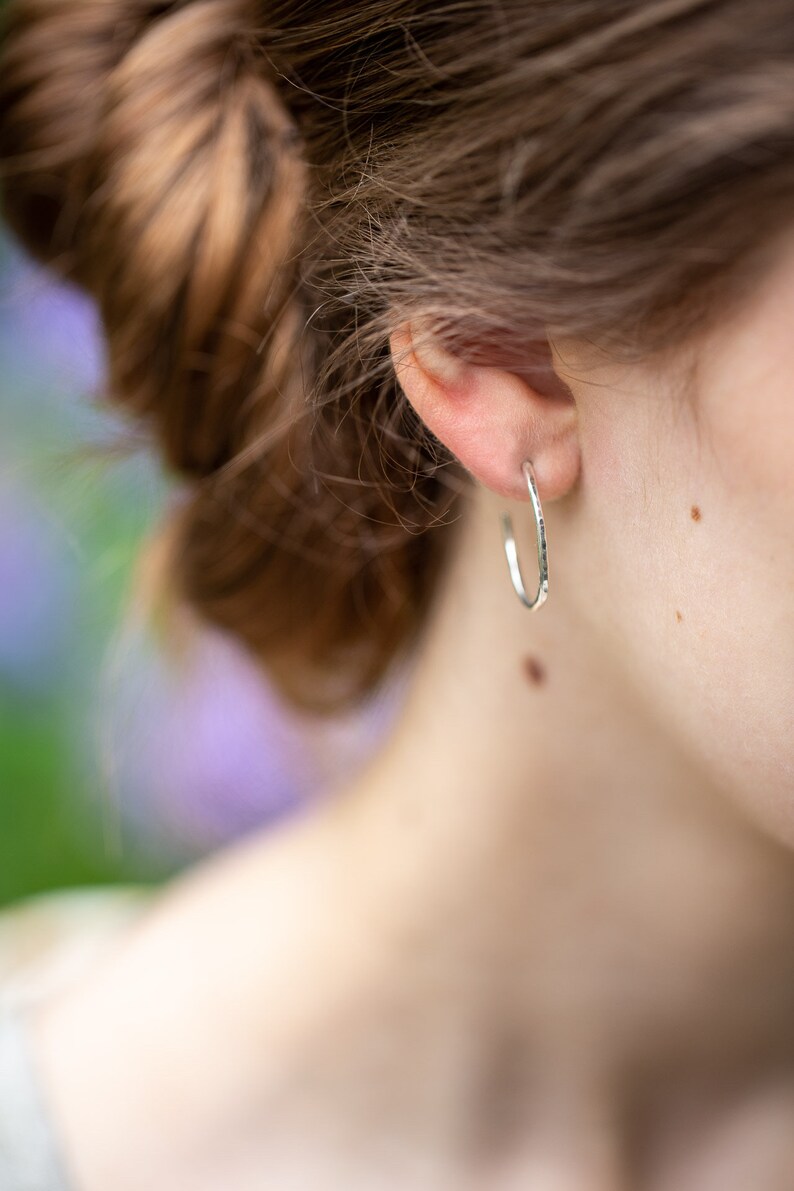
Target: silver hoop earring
pixel 512 553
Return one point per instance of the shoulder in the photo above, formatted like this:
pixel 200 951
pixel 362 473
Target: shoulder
pixel 46 939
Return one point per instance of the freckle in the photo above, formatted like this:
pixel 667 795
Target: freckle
pixel 679 616
pixel 534 671
pixel 694 513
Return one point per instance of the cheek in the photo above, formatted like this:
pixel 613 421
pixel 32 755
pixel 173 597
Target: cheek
pixel 690 553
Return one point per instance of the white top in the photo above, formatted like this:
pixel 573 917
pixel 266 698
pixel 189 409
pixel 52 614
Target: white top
pixel 29 1157
pixel 45 942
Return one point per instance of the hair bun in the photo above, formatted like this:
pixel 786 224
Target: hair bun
pixel 149 157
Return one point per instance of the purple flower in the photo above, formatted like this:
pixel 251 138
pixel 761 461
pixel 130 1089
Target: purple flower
pixel 37 592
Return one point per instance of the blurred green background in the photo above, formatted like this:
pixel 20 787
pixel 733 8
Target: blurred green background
pixel 66 546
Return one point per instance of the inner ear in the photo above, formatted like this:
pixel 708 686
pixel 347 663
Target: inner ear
pixel 531 358
pixel 528 356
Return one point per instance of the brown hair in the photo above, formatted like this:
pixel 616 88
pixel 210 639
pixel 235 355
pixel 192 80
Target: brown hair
pixel 257 194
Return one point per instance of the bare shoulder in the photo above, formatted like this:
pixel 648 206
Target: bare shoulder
pixel 193 1037
pixel 49 937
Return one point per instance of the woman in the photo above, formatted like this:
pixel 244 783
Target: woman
pixel 369 273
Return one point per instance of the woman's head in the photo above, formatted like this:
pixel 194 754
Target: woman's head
pixel 263 197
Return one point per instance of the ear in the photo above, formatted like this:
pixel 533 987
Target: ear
pixel 492 419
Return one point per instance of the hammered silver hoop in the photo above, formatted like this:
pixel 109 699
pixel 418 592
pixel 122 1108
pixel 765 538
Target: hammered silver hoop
pixel 512 553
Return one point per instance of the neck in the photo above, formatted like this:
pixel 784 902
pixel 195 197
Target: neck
pixel 580 880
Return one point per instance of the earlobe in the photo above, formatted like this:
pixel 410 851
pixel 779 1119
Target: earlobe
pixel 490 418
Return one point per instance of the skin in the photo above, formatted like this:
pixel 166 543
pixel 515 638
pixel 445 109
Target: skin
pixel 546 939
